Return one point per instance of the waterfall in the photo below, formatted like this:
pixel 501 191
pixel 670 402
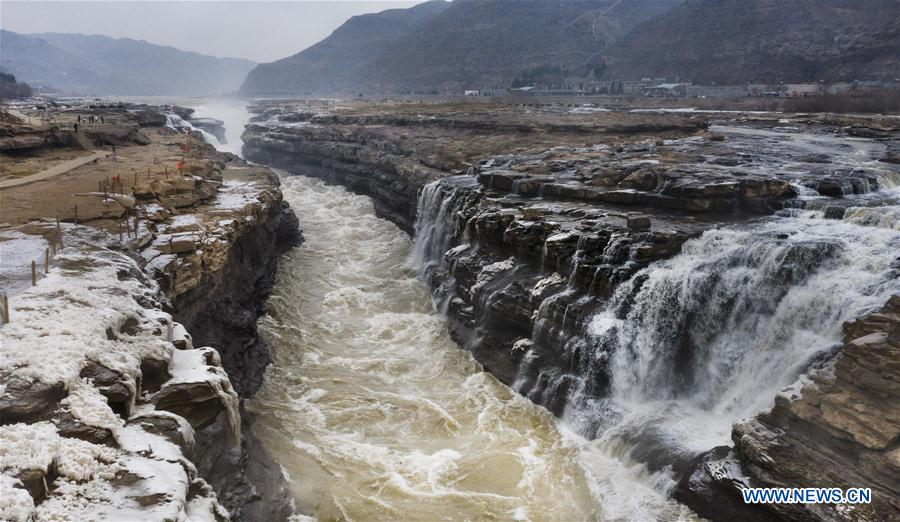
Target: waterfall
pixel 234 114
pixel 179 124
pixel 742 310
pixel 718 330
pixel 658 372
pixel 435 228
pixel 711 334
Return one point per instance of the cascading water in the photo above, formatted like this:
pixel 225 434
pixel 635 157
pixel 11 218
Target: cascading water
pixel 235 116
pixel 713 334
pixel 375 413
pixel 434 228
pixel 436 222
pixel 177 123
pixel 689 345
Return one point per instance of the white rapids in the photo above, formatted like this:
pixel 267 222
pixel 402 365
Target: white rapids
pixel 375 413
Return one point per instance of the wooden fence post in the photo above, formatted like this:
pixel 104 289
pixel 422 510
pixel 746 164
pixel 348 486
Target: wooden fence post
pixel 5 309
pixel 172 272
pixel 47 261
pixel 33 273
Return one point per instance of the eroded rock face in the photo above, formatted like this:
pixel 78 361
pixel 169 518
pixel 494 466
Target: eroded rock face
pixel 513 276
pixel 839 427
pixel 391 152
pixel 212 126
pixel 217 262
pixel 525 238
pixel 73 443
pixel 215 258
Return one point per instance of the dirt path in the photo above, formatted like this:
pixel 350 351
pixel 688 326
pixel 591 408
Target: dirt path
pixel 54 171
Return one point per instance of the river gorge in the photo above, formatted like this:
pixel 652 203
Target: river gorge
pixel 374 412
pixel 450 260
pixel 377 414
pixel 660 340
pixel 444 310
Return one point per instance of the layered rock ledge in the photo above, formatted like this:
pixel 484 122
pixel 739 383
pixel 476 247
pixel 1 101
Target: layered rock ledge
pixel 390 152
pixel 528 220
pixel 118 366
pixel 215 238
pixel 846 415
pixel 104 396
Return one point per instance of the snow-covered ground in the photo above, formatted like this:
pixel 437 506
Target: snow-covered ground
pixel 96 314
pixel 17 251
pixel 101 392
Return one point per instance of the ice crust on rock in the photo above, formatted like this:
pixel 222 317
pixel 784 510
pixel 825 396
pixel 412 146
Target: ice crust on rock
pixel 97 310
pixel 15 502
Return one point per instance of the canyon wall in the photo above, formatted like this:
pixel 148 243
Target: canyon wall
pixel 217 266
pixel 548 245
pixel 127 393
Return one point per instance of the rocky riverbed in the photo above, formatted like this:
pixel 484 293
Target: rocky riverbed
pixel 656 280
pixel 124 367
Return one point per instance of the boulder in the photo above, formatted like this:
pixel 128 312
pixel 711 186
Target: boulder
pixel 150 118
pixel 638 223
pixel 25 400
pixel 119 389
pixel 179 244
pixel 532 213
pixel 69 426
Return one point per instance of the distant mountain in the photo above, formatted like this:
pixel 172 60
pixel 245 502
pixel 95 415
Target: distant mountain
pixel 81 64
pixel 485 43
pixel 438 46
pixel 739 41
pixel 340 62
pixel 450 45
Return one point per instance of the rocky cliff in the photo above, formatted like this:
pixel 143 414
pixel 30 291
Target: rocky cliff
pixel 217 264
pixel 391 152
pixel 103 403
pixel 541 230
pixel 126 411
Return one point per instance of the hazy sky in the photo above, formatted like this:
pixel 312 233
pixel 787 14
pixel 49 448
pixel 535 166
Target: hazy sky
pixel 261 31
